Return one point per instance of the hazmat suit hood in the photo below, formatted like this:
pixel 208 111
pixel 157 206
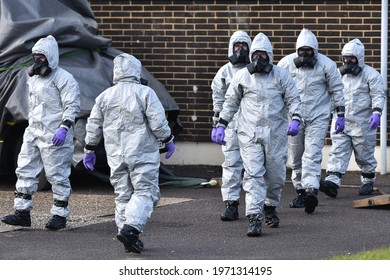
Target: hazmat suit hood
pixel 49 48
pixel 238 36
pixel 261 43
pixel 127 68
pixel 307 39
pixel 354 48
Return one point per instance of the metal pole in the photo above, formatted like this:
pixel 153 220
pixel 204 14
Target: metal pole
pixel 384 47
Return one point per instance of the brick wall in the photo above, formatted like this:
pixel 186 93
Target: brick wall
pixel 183 43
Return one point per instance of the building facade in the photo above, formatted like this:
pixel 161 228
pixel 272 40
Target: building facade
pixel 184 43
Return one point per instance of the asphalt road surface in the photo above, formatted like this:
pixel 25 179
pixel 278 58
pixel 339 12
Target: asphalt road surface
pixel 187 226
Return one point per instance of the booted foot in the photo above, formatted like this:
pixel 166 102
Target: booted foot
pixel 129 236
pixel 140 244
pixel 20 218
pixel 56 223
pixel 311 200
pixel 329 188
pixel 300 200
pixel 254 227
pixel 366 189
pixel 271 216
pixel 231 211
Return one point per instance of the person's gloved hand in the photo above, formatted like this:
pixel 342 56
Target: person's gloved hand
pixel 171 149
pixel 339 126
pixel 59 137
pixel 214 134
pixel 220 136
pixel 293 128
pixel 375 120
pixel 89 160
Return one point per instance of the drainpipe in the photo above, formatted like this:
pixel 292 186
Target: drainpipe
pixel 384 47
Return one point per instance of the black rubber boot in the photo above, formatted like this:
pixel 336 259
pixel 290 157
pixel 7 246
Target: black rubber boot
pixel 366 189
pixel 254 227
pixel 56 223
pixel 20 218
pixel 311 200
pixel 231 211
pixel 271 216
pixel 300 200
pixel 129 236
pixel 329 188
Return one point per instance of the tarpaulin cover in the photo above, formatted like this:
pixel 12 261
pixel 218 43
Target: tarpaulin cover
pixel 83 52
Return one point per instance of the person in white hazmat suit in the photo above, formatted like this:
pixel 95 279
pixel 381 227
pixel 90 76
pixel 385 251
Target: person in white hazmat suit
pixel 238 55
pixel 365 98
pixel 131 119
pixel 54 103
pixel 321 90
pixel 264 95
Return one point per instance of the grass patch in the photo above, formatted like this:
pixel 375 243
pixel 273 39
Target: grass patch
pixel 377 254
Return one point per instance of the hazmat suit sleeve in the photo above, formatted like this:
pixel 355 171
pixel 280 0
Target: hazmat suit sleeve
pixel 376 89
pixel 219 88
pixel 335 85
pixel 233 98
pixel 155 115
pixel 94 127
pixel 291 95
pixel 70 97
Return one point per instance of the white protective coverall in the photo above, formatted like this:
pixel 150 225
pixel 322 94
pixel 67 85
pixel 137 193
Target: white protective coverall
pixel 232 166
pixel 53 99
pixel 364 94
pixel 319 88
pixel 131 119
pixel 263 102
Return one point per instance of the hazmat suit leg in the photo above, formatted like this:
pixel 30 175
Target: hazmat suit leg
pixel 296 148
pixel 315 134
pixel 57 165
pixel 28 170
pixel 364 149
pixel 275 175
pixel 253 182
pixel 136 193
pixel 231 167
pixel 339 157
pixel 123 189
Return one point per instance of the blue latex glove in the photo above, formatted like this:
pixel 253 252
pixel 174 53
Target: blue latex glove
pixel 214 134
pixel 339 126
pixel 375 120
pixel 293 128
pixel 171 149
pixel 59 137
pixel 89 160
pixel 220 136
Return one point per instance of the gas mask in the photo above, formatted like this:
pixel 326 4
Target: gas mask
pixel 261 65
pixel 240 56
pixel 350 67
pixel 305 61
pixel 39 68
pixel 304 58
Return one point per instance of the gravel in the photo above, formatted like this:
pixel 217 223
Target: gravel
pixel 86 209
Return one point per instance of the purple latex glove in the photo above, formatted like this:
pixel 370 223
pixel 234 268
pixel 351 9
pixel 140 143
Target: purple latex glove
pixel 339 126
pixel 214 134
pixel 59 137
pixel 89 160
pixel 375 120
pixel 171 149
pixel 293 128
pixel 220 136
